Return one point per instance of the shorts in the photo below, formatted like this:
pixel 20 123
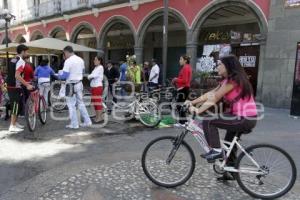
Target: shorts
pixel 14 99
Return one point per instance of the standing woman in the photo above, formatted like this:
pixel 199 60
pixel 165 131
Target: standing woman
pixel 183 84
pixel 96 84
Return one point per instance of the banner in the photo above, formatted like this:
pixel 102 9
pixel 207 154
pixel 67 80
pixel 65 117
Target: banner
pixel 292 3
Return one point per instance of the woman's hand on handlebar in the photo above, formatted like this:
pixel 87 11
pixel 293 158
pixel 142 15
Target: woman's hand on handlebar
pixel 188 103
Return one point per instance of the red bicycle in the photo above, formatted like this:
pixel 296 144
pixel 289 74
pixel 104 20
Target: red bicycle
pixel 35 105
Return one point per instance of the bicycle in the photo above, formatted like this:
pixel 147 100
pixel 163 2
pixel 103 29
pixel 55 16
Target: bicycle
pixel 256 169
pixel 35 105
pixel 143 109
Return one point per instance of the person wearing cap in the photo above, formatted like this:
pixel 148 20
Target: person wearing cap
pixel 73 74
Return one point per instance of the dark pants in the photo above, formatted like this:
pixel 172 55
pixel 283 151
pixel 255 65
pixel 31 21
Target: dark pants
pixel 232 125
pixel 111 87
pixel 181 97
pixel 152 86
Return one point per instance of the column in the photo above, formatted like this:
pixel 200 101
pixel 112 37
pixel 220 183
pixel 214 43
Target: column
pixel 138 51
pixel 191 50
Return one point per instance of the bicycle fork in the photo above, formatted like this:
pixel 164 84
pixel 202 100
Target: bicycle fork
pixel 176 145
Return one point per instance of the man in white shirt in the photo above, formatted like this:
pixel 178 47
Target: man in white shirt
pixel 73 73
pixel 154 75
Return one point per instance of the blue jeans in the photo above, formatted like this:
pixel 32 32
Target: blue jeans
pixel 74 102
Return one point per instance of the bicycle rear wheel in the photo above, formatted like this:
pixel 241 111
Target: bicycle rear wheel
pixel 275 175
pixel 42 110
pixel 30 114
pixel 149 114
pixel 167 166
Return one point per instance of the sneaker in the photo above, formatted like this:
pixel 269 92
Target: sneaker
pixel 19 125
pixel 86 125
pixel 213 155
pixel 15 129
pixel 179 125
pixel 72 127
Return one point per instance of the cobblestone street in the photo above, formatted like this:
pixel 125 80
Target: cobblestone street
pixel 81 164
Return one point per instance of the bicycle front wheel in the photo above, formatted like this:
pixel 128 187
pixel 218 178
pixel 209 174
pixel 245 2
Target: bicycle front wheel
pixel 149 114
pixel 42 110
pixel 274 176
pixel 167 163
pixel 30 114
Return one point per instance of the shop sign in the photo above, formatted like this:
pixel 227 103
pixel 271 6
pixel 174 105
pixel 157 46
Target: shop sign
pixel 292 3
pixel 248 61
pixel 217 36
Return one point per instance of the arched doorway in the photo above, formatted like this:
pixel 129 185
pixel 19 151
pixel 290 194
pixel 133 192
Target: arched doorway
pixel 57 61
pixel 84 35
pixel 238 26
pixel 36 35
pixel 59 33
pixel 117 39
pixel 151 39
pixel 20 39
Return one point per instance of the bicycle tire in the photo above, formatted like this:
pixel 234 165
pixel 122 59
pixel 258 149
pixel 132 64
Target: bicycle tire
pixel 185 179
pixel 156 123
pixel 281 193
pixel 28 106
pixel 43 121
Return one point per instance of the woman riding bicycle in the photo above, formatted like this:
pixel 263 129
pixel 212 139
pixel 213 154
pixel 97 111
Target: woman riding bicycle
pixel 236 91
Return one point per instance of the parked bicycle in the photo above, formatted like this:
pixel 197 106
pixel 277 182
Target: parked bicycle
pixel 141 108
pixel 263 171
pixel 35 106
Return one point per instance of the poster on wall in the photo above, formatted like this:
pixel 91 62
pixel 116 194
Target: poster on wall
pixel 292 3
pixel 248 61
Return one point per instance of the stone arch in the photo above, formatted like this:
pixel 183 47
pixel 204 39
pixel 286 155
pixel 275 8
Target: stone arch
pixel 216 5
pixel 20 39
pixel 4 40
pixel 55 30
pixel 110 23
pixel 36 34
pixel 154 15
pixel 79 27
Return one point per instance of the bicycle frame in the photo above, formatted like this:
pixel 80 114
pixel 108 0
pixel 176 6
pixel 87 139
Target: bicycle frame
pixel 198 134
pixel 35 95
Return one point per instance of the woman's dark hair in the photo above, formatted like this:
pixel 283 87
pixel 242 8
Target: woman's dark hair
pixel 44 62
pixel 101 60
pixel 186 58
pixel 237 74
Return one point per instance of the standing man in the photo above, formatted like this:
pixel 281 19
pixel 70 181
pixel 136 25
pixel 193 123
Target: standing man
pixel 146 74
pixel 112 74
pixel 73 73
pixel 14 83
pixel 154 76
pixel 123 71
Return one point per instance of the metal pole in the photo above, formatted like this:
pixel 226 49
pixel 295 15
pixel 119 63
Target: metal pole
pixel 165 40
pixel 6 42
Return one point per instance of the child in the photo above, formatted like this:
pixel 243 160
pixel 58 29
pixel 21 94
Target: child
pixel 43 73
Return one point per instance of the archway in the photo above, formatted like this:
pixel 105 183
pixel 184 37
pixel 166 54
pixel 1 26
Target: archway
pixel 238 26
pixel 36 35
pixel 58 33
pixel 57 61
pixel 20 39
pixel 117 39
pixel 84 34
pixel 151 39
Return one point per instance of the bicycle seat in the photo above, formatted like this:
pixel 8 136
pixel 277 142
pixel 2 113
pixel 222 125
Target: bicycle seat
pixel 238 134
